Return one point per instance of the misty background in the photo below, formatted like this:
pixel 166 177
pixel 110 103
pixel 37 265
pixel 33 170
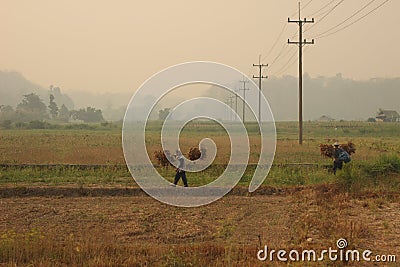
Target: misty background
pixel 337 97
pixel 97 53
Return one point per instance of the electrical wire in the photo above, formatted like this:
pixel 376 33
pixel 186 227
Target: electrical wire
pixel 280 35
pixel 305 6
pixel 345 27
pixel 276 42
pixel 288 54
pixel 327 14
pixel 326 33
pixel 316 13
pixel 285 45
pixel 289 62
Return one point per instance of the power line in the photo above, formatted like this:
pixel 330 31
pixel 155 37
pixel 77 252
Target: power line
pixel 229 102
pixel 276 42
pixel 327 14
pixel 305 6
pixel 326 34
pixel 290 61
pixel 278 38
pixel 259 77
pixel 316 13
pixel 300 44
pixel 283 70
pixel 236 102
pixel 284 46
pixel 291 53
pixel 244 89
pixel 288 51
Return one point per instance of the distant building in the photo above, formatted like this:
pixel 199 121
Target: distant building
pixel 388 115
pixel 325 118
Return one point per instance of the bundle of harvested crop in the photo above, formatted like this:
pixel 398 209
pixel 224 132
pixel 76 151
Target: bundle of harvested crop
pixel 162 157
pixel 194 154
pixel 328 151
pixel 349 148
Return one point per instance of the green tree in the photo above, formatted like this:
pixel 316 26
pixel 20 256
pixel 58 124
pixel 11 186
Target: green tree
pixel 7 113
pixel 163 114
pixel 6 108
pixel 88 115
pixel 64 114
pixel 53 108
pixel 32 108
pixel 6 124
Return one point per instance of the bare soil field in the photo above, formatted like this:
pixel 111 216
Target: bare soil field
pixel 68 227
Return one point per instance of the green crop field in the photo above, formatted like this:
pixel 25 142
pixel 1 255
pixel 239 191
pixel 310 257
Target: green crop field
pixel 293 165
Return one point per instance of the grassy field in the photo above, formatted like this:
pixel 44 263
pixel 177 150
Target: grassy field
pixel 103 147
pixel 96 216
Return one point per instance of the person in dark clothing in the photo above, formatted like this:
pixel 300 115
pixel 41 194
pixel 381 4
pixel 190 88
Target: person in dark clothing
pixel 337 163
pixel 180 172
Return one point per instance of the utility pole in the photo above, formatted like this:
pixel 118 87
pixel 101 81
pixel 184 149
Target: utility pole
pixel 229 102
pixel 236 102
pixel 227 111
pixel 300 44
pixel 259 77
pixel 244 89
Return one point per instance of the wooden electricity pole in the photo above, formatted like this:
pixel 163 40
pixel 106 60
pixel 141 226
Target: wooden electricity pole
pixel 259 77
pixel 244 89
pixel 236 102
pixel 229 102
pixel 301 43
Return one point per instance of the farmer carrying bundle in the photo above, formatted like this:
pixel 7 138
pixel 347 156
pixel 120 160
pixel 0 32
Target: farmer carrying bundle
pixel 339 153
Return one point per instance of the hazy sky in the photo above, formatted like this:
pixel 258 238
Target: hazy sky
pixel 114 46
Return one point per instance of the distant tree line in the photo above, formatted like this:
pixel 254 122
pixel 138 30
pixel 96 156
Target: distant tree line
pixel 33 109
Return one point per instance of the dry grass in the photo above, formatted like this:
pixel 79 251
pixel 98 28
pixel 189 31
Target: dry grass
pixel 112 227
pixel 80 147
pixel 139 231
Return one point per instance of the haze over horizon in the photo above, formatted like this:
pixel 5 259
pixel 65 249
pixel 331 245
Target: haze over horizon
pixel 335 96
pixel 103 47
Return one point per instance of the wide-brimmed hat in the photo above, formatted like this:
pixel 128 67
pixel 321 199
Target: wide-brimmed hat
pixel 336 144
